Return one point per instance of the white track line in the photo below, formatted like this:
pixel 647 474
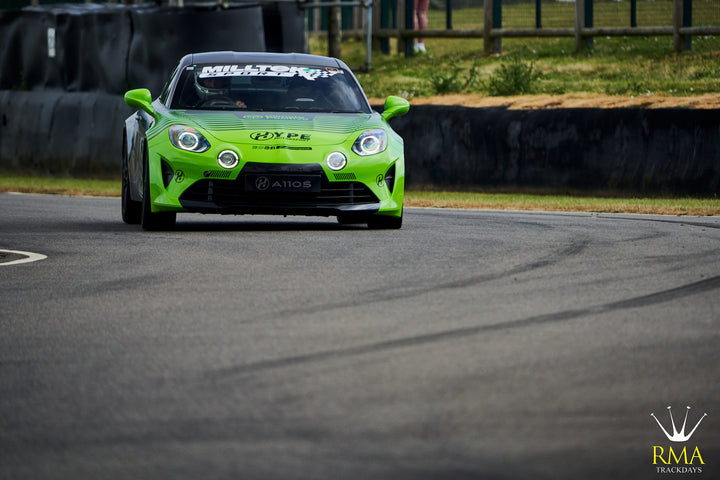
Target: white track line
pixel 31 257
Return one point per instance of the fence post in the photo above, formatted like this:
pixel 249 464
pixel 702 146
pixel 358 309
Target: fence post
pixel 487 26
pixel 497 23
pixel 538 13
pixel 677 23
pixel 409 25
pixel 316 15
pixel 579 22
pixel 334 32
pixel 682 17
pixel 388 11
pixel 448 14
pixel 589 21
pixel 368 35
pixel 687 22
pixel 493 19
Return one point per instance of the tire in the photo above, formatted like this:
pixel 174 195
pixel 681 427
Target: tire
pixel 351 220
pixel 131 209
pixel 380 222
pixel 148 219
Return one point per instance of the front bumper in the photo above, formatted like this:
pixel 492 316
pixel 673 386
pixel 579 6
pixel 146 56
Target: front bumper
pixel 218 195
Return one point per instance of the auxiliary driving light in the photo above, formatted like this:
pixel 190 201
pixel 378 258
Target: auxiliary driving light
pixel 228 159
pixel 336 161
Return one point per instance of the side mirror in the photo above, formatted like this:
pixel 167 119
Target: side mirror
pixel 140 98
pixel 394 107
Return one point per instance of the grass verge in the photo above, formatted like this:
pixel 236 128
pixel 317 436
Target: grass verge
pixel 60 186
pixel 539 201
pixel 576 202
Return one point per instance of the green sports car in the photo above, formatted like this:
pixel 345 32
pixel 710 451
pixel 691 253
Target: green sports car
pixel 261 133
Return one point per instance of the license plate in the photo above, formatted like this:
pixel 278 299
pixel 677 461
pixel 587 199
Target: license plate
pixel 282 183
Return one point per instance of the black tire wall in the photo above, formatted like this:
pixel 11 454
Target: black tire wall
pixel 182 31
pixel 61 133
pixel 631 149
pixel 636 150
pixel 113 48
pixel 61 107
pixel 64 114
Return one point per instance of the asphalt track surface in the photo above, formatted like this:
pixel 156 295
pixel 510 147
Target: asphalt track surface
pixel 469 344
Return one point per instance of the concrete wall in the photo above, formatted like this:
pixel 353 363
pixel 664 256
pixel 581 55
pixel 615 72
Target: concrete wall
pixel 665 150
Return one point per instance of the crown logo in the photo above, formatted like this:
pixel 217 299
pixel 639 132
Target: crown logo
pixel 678 436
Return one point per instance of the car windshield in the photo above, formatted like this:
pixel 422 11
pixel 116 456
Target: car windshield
pixel 268 88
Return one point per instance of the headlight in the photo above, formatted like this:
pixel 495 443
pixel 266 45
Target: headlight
pixel 187 138
pixel 336 161
pixel 228 159
pixel 370 142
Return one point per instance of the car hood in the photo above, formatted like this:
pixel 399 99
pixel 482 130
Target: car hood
pixel 280 127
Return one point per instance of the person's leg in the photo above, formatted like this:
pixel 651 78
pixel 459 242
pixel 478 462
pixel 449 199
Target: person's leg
pixel 421 21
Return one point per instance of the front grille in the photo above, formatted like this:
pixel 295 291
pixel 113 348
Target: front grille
pixel 344 176
pixel 218 194
pixel 217 173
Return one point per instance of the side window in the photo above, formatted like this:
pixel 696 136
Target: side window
pixel 185 95
pixel 166 90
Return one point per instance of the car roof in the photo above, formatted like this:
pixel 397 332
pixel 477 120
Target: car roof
pixel 260 58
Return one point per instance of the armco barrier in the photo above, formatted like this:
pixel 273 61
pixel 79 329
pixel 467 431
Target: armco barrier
pixel 650 151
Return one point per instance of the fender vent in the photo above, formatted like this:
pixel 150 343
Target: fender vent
pixel 167 172
pixel 390 178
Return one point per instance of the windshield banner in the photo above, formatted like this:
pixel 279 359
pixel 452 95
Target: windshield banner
pixel 309 73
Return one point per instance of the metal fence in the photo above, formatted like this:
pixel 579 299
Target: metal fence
pixel 606 13
pixel 469 14
pixel 493 20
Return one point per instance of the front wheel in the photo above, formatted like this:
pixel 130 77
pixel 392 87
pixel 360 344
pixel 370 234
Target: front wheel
pixel 130 208
pixel 150 220
pixel 380 222
pixel 345 219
